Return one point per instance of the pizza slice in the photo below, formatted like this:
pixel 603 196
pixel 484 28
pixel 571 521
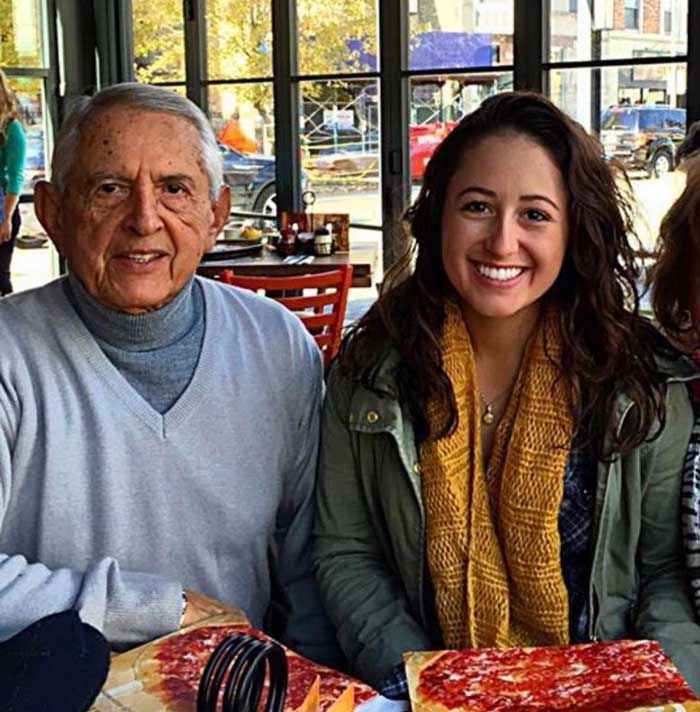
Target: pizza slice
pixel 618 676
pixel 171 668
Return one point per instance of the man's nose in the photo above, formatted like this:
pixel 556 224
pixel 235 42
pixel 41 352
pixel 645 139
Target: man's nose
pixel 503 239
pixel 144 216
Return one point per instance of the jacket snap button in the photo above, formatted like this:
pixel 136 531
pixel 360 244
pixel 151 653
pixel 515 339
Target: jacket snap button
pixel 416 468
pixel 372 416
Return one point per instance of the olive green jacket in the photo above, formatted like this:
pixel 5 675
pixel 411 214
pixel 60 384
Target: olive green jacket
pixel 369 548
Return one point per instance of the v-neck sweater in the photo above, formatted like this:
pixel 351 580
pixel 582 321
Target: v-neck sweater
pixel 110 507
pixel 157 351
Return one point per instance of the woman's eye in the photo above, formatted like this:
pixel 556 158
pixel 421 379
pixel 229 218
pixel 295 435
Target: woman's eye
pixel 476 206
pixel 536 215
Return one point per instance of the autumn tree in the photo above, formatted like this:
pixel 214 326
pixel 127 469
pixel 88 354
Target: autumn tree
pixel 333 37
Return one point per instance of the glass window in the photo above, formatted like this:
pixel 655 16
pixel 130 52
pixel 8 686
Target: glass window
pixel 438 103
pixel 638 115
pixel 30 92
pixel 20 34
pixel 239 39
pixel 242 116
pixel 337 37
pixel 450 35
pixel 606 29
pixel 340 147
pixel 631 14
pixel 159 41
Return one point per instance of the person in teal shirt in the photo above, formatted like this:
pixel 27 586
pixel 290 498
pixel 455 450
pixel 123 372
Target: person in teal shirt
pixel 12 156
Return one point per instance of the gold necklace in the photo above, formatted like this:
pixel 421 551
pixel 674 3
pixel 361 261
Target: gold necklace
pixel 488 417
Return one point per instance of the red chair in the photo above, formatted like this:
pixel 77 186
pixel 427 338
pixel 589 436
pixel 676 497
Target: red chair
pixel 322 313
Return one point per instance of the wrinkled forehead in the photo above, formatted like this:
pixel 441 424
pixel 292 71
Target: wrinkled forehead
pixel 117 138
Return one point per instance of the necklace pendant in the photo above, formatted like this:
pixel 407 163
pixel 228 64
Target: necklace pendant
pixel 488 417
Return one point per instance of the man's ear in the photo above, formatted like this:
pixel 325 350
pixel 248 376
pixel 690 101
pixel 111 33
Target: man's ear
pixel 221 208
pixel 47 206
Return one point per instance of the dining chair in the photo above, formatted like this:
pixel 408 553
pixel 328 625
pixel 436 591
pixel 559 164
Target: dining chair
pixel 322 312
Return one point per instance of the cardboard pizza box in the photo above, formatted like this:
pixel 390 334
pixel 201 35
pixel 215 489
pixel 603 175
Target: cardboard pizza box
pixel 616 676
pixel 163 675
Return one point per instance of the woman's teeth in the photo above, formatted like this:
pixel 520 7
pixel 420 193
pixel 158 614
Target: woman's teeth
pixel 500 274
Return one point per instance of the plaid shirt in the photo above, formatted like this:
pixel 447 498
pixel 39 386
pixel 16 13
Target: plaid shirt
pixel 575 531
pixel 694 386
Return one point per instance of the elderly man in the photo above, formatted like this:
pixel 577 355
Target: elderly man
pixel 158 432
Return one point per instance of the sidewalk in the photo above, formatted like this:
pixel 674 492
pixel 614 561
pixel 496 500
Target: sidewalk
pixel 32 268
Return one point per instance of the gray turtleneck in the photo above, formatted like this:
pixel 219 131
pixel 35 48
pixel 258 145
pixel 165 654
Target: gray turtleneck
pixel 156 352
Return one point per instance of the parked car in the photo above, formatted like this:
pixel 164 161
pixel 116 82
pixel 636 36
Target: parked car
pixel 362 158
pixel 349 159
pixel 424 139
pixel 643 137
pixel 251 177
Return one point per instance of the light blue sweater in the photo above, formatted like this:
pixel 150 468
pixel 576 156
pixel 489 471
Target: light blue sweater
pixel 156 352
pixel 110 507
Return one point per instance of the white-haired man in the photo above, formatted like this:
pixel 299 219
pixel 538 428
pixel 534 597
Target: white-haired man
pixel 158 432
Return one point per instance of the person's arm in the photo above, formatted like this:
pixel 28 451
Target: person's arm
pixel 128 607
pixel 665 609
pixel 307 630
pixel 15 153
pixel 364 599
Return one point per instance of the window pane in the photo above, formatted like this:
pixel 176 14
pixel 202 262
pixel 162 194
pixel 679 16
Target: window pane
pixel 20 34
pixel 609 29
pixel 239 39
pixel 438 103
pixel 339 36
pixel 30 93
pixel 340 147
pixel 243 119
pixel 638 114
pixel 453 35
pixel 159 41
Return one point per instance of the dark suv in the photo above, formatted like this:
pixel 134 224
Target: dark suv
pixel 643 137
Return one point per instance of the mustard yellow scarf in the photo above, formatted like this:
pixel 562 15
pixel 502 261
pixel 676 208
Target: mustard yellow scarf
pixel 493 544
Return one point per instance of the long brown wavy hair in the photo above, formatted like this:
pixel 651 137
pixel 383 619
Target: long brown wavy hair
pixel 9 106
pixel 678 253
pixel 606 346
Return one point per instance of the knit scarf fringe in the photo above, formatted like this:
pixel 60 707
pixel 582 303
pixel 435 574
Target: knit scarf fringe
pixel 493 543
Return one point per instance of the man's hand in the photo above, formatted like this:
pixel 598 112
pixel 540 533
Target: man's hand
pixel 200 607
pixel 5 231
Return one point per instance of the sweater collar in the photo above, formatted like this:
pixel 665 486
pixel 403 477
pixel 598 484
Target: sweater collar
pixel 135 332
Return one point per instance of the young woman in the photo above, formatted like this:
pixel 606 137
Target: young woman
pixel 675 282
pixel 12 157
pixel 495 469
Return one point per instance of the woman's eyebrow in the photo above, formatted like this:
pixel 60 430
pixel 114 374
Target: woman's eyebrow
pixel 477 189
pixel 540 197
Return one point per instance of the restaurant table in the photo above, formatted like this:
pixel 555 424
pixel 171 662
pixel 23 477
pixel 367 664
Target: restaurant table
pixel 362 256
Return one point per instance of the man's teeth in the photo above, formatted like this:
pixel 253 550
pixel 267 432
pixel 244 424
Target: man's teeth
pixel 143 257
pixel 500 274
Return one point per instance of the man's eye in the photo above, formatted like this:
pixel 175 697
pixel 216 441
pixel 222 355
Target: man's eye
pixel 174 189
pixel 108 188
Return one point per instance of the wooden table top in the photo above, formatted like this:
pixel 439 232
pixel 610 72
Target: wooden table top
pixel 362 256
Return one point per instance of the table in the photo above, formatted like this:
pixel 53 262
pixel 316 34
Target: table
pixel 363 257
